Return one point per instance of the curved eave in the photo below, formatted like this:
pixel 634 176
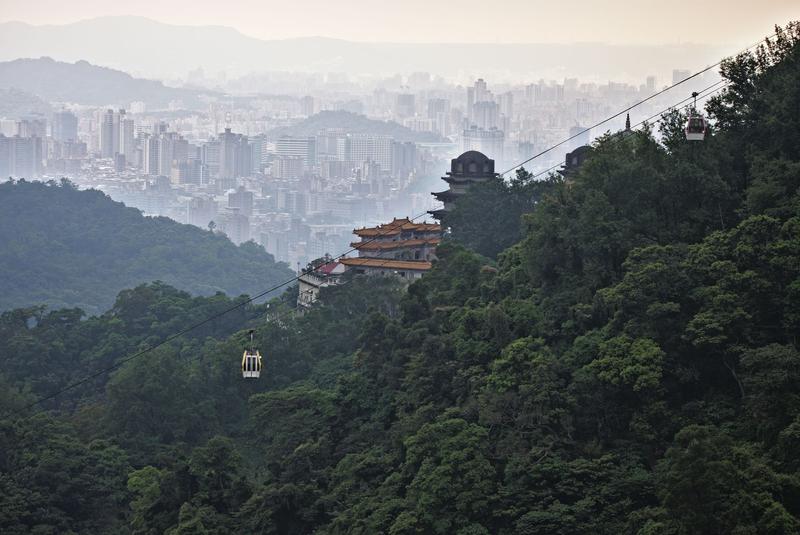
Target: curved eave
pixel 438 214
pixel 446 195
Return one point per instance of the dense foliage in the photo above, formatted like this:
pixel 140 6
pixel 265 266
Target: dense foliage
pixel 630 365
pixel 507 201
pixel 68 248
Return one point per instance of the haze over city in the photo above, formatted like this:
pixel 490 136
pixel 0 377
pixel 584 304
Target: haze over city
pixel 467 21
pixel 320 116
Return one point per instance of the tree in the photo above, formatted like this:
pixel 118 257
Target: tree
pixel 507 202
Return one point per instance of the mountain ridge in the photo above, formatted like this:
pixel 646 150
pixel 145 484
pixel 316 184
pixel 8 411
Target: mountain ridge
pixel 82 82
pixel 221 48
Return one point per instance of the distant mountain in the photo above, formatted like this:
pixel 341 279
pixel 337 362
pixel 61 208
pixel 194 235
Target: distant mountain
pixel 68 248
pixel 355 124
pixel 146 47
pixel 84 83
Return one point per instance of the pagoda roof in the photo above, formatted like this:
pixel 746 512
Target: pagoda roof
pixel 396 227
pixel 397 244
pixel 447 194
pixel 418 265
pixel 458 177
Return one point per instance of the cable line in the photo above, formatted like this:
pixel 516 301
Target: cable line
pixel 642 122
pixel 629 108
pixel 213 317
pixel 194 326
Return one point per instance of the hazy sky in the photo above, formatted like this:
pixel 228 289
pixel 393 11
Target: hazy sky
pixel 612 21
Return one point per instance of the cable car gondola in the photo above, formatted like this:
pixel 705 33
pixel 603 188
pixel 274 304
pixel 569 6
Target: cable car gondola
pixel 251 361
pixel 696 125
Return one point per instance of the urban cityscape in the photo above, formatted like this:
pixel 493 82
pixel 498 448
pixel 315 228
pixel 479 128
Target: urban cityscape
pixel 297 172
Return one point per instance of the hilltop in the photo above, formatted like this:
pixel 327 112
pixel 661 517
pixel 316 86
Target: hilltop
pixel 67 248
pixel 16 103
pixel 355 124
pixel 84 83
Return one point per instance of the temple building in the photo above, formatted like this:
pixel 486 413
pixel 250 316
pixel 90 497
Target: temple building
pixel 573 161
pixel 470 168
pixel 401 248
pixel 320 273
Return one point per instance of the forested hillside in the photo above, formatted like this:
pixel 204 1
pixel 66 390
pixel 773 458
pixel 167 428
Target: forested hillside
pixel 629 365
pixel 67 248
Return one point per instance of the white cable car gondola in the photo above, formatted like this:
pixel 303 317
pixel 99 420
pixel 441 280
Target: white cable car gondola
pixel 251 361
pixel 696 125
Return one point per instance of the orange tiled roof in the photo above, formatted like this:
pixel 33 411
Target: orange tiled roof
pixel 399 244
pixel 396 226
pixel 419 265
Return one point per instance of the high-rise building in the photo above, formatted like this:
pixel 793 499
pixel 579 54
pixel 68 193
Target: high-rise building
pixel 151 149
pixel 481 92
pixel 477 94
pixel 437 106
pixel 332 144
pixel 65 126
pixel 242 200
pixel 258 152
pixel 365 147
pixel 32 128
pixel 119 117
pixel 20 157
pixel 470 102
pixel 287 167
pixel 166 154
pixel 506 104
pixel 301 147
pixel 107 138
pixel 127 139
pixel 5 156
pixel 307 106
pixel 485 114
pixel 201 211
pixel 234 155
pixel 173 150
pixel 439 112
pixel 209 156
pixel 488 141
pixel 235 225
pixel 404 158
pixel 189 171
pixel 336 169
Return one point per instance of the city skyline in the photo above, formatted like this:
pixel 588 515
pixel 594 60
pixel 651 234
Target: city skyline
pixel 622 22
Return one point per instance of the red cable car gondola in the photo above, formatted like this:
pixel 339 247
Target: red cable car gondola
pixel 696 125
